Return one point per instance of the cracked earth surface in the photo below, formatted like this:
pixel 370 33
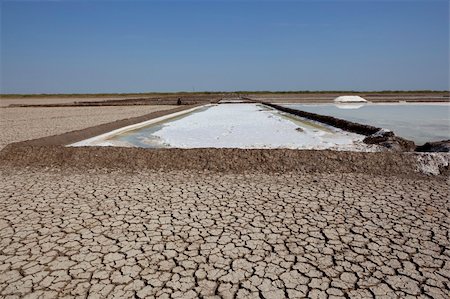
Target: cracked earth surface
pixel 188 235
pixel 19 124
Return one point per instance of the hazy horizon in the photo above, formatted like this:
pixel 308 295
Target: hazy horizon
pixel 78 47
pixel 235 91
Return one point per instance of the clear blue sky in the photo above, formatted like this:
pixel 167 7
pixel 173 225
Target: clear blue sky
pixel 138 46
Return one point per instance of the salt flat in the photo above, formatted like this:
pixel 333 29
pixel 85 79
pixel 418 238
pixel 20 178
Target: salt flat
pixel 239 126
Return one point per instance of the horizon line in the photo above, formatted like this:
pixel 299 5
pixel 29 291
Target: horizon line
pixel 228 92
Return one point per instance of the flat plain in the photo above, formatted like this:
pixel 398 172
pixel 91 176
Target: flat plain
pixel 98 233
pixel 25 123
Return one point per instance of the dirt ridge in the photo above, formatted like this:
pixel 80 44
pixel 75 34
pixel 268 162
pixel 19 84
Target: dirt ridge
pixel 209 159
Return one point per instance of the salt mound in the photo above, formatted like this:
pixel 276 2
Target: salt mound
pixel 350 99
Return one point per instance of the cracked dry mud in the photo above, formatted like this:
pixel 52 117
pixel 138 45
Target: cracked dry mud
pixel 184 235
pixel 19 124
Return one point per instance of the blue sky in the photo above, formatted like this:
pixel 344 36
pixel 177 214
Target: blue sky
pixel 138 46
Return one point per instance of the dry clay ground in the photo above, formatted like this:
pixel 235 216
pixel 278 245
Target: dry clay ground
pixel 20 124
pixel 104 233
pixel 188 235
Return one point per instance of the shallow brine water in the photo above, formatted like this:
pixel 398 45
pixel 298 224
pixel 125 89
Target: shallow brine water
pixel 234 126
pixel 418 122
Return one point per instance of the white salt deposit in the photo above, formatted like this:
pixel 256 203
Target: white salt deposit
pixel 102 140
pixel 431 163
pixel 251 126
pixel 237 126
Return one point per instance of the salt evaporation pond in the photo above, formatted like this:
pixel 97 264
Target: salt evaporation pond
pixel 420 122
pixel 233 126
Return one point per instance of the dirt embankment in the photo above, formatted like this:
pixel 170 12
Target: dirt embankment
pixel 222 160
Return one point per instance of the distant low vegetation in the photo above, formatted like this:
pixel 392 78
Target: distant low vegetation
pixel 241 92
pixel 346 91
pixel 82 95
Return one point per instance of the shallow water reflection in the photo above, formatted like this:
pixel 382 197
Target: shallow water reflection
pixel 418 122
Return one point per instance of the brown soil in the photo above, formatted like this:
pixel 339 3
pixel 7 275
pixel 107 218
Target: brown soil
pixel 223 160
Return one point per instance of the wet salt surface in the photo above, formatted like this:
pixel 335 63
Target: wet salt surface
pixel 418 122
pixel 238 126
